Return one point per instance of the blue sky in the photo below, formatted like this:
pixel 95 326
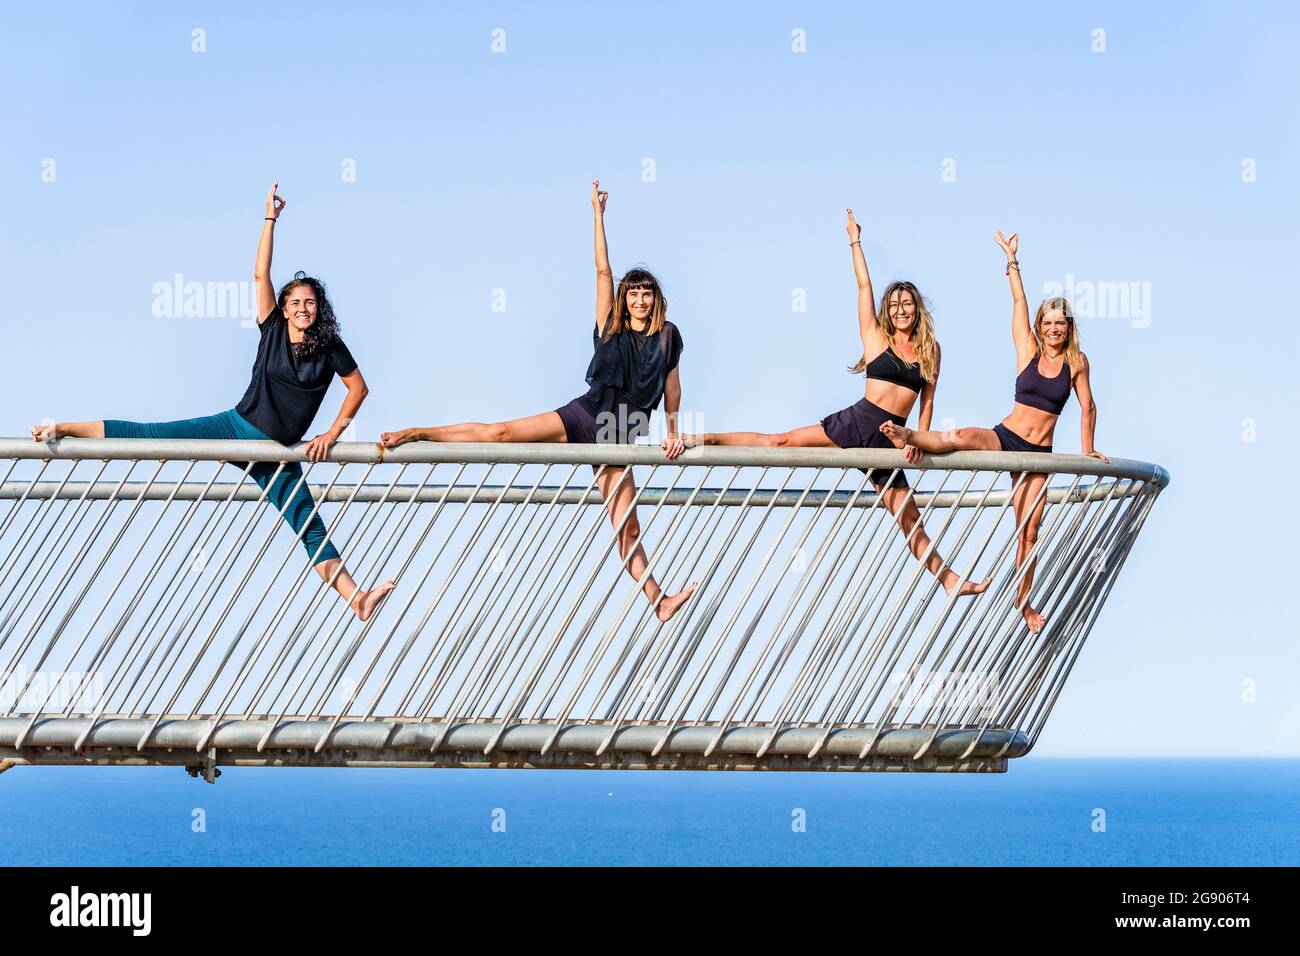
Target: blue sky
pixel 1165 161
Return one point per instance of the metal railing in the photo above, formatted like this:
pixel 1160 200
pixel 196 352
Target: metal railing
pixel 154 609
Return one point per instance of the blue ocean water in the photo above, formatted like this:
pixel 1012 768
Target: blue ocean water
pixel 1041 812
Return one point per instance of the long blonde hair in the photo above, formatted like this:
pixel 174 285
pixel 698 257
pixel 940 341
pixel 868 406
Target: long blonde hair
pixel 1059 304
pixel 618 317
pixel 921 336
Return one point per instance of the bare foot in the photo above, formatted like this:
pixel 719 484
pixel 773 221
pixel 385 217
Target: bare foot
pixel 900 435
pixel 45 433
pixel 365 603
pixel 1033 619
pixel 896 442
pixel 670 605
pixel 393 439
pixel 967 589
pixel 692 441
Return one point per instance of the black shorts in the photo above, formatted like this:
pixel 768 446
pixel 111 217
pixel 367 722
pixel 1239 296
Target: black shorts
pixel 858 426
pixel 599 418
pixel 1010 441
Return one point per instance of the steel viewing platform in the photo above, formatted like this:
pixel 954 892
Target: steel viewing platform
pixel 154 609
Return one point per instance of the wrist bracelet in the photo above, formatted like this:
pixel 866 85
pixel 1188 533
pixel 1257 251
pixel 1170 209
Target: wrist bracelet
pixel 270 219
pixel 1012 264
pixel 855 242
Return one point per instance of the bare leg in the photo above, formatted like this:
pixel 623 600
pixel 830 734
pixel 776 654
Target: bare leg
pixel 938 443
pixel 363 603
pixel 618 490
pixel 543 427
pixel 909 520
pixel 1021 500
pixel 809 436
pixel 49 433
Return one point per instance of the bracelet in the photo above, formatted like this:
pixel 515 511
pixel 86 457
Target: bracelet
pixel 270 219
pixel 1012 264
pixel 855 242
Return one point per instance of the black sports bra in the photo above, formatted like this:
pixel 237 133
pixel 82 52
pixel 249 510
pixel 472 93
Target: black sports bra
pixel 888 366
pixel 1046 394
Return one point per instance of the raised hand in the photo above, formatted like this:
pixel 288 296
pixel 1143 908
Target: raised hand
pixel 273 202
pixel 1008 243
pixel 598 197
pixel 854 230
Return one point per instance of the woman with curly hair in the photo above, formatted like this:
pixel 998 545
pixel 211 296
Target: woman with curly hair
pixel 298 355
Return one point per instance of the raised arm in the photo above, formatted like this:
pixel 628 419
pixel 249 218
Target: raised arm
pixel 262 266
pixel 872 341
pixel 604 275
pixel 1021 333
pixel 1088 411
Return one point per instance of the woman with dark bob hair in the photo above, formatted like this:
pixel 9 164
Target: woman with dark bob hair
pixel 634 366
pixel 298 355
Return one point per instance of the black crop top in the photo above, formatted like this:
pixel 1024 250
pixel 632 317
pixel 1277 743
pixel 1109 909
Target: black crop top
pixel 1046 394
pixel 286 392
pixel 636 364
pixel 888 366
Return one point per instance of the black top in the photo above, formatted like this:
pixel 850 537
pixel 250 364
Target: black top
pixel 635 364
pixel 888 366
pixel 1046 394
pixel 286 392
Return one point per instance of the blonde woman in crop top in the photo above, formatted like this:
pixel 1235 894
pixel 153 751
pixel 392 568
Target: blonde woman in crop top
pixel 904 368
pixel 1050 364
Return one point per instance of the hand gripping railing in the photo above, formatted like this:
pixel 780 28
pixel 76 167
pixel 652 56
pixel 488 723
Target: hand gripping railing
pixel 155 609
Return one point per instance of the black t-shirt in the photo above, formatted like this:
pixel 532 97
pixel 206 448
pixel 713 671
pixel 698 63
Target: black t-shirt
pixel 636 364
pixel 286 392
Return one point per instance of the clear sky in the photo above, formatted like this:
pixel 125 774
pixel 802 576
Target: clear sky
pixel 437 161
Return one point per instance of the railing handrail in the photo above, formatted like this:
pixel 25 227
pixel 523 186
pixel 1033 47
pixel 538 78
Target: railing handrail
pixel 561 453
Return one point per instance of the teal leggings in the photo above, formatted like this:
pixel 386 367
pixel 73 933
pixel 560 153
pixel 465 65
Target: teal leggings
pixel 231 425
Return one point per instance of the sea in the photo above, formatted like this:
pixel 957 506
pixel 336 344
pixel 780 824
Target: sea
pixel 1044 811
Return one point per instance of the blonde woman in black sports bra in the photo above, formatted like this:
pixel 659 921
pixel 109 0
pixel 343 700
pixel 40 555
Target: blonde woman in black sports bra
pixel 1050 364
pixel 905 366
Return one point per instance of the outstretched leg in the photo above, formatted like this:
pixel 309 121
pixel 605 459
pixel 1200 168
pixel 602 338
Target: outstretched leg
pixel 289 487
pixel 909 520
pixel 543 427
pixel 49 433
pixel 618 490
pixel 809 436
pixel 938 443
pixel 288 493
pixel 1023 497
